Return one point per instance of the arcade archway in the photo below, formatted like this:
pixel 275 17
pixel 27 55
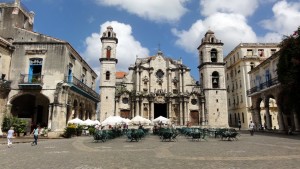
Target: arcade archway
pixel 31 107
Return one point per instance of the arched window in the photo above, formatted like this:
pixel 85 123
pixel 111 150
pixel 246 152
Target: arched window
pixel 108 51
pixel 107 75
pixel 213 55
pixel 215 80
pixel 243 118
pixel 201 56
pixel 252 65
pixel 212 40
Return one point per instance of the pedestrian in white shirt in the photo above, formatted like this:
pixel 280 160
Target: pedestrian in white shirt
pixel 10 134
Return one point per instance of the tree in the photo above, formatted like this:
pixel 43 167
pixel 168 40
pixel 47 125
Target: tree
pixel 289 71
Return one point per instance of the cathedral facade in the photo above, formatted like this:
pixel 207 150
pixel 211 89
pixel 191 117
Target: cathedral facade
pixel 160 86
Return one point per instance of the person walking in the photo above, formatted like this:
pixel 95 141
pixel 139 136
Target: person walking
pixel 251 128
pixel 35 133
pixel 10 134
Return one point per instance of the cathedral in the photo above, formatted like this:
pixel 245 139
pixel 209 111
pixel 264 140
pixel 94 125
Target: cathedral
pixel 160 86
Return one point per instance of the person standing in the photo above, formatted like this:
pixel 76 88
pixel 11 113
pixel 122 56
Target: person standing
pixel 10 134
pixel 251 128
pixel 239 124
pixel 35 133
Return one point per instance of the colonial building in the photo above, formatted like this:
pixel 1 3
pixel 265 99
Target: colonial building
pixel 160 86
pixel 44 80
pixel 243 58
pixel 268 105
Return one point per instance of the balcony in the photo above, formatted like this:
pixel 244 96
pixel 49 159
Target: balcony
pixel 263 86
pixel 81 88
pixel 31 81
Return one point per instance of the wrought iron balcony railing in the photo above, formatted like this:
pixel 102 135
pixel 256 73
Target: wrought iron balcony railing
pixel 265 85
pixel 78 83
pixel 31 79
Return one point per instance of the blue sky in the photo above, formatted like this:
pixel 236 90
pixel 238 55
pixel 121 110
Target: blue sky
pixel 177 26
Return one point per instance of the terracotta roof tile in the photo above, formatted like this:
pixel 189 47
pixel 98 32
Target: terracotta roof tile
pixel 120 75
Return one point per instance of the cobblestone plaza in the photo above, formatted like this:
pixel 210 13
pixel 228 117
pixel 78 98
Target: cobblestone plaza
pixel 259 151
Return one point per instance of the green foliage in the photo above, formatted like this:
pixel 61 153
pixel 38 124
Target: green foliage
pixel 91 130
pixel 7 123
pixel 289 71
pixel 70 130
pixel 79 130
pixel 18 124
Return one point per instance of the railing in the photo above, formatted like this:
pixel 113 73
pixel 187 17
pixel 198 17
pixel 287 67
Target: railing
pixel 31 79
pixel 265 85
pixel 79 84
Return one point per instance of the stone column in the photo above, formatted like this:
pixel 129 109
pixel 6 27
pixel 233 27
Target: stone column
pixel 180 81
pixel 180 112
pixel 150 81
pixel 137 110
pixel 268 118
pixel 50 114
pixel 170 109
pixel 142 108
pixel 137 80
pixel 203 112
pixel 152 111
pixel 280 118
pixel 187 113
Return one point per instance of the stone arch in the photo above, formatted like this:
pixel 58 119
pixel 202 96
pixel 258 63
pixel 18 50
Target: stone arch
pixel 34 107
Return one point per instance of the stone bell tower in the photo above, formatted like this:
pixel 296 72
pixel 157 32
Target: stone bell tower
pixel 108 63
pixel 212 79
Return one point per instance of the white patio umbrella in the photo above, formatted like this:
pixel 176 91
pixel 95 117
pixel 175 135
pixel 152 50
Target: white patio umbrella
pixel 75 121
pixel 140 120
pixel 112 120
pixel 162 120
pixel 97 122
pixel 127 121
pixel 88 122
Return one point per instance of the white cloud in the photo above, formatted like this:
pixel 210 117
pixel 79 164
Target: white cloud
pixel 243 7
pixel 286 18
pixel 231 29
pixel 155 10
pixel 127 50
pixel 271 37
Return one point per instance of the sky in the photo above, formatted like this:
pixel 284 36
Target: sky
pixel 176 27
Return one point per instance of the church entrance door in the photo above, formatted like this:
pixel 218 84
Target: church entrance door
pixel 160 110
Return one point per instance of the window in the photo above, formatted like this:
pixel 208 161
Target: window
pixel 108 52
pixel 215 80
pixel 229 102
pixel 213 55
pixel 252 65
pixel 201 56
pixel 125 100
pixel 243 118
pixel 249 52
pixel 241 99
pixel 159 73
pixel 107 75
pixel 35 70
pixel 260 52
pixel 273 51
pixel 194 101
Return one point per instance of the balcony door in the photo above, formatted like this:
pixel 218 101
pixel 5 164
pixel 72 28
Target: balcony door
pixel 35 70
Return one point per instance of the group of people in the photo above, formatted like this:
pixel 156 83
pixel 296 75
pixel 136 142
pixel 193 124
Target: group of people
pixel 11 132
